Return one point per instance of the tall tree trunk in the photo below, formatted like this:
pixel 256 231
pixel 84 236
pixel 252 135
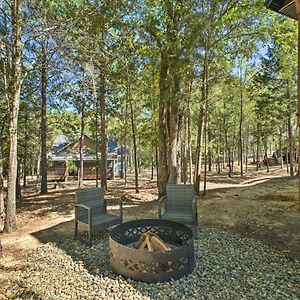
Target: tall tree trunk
pixel 25 154
pixel 206 127
pixel 257 151
pixel 200 130
pixel 103 137
pixel 173 127
pixel 125 141
pixel 184 150
pixel 189 148
pixel 14 101
pixel 218 151
pixel 136 174
pixel 290 144
pixel 18 185
pixel 280 148
pixel 266 159
pixel 96 104
pixel 162 127
pixel 152 159
pixel 44 189
pixel 228 151
pixel 38 170
pixel 122 162
pixel 205 155
pixel 80 173
pixel 1 175
pixel 241 124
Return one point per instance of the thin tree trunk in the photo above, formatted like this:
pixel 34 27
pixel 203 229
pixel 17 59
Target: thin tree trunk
pixel 241 123
pixel 189 148
pixel 257 152
pixel 228 152
pixel 18 185
pixel 266 160
pixel 179 156
pixel 38 170
pixel 1 176
pixel 25 154
pixel 152 160
pixel 96 104
pixel 290 145
pixel 125 141
pixel 184 168
pixel 287 159
pixel 103 137
pixel 205 156
pixel 10 215
pixel 122 162
pixel 44 189
pixel 205 121
pixel 201 119
pixel 173 129
pixel 80 173
pixel 136 175
pixel 280 149
pixel 162 127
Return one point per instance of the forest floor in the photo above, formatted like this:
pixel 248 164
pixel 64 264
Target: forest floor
pixel 261 205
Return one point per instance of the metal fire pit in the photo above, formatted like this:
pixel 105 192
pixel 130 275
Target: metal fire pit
pixel 146 266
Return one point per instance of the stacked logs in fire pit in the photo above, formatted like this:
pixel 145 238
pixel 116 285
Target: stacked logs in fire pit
pixel 151 242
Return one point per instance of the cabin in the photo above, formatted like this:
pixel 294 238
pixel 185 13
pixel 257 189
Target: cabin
pixel 64 158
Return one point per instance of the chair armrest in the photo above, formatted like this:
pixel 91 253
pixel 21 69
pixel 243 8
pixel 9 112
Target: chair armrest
pixel 89 208
pixel 161 204
pixel 86 206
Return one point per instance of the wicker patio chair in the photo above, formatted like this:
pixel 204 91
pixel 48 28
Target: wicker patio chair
pixel 90 209
pixel 180 205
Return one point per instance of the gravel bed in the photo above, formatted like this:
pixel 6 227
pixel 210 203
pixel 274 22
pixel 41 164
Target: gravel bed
pixel 228 267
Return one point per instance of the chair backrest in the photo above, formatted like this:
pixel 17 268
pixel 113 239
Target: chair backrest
pixel 179 197
pixel 92 196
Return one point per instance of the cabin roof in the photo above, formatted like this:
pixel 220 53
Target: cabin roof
pixel 63 148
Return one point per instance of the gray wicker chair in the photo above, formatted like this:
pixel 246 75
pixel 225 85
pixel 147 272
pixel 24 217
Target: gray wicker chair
pixel 180 205
pixel 90 209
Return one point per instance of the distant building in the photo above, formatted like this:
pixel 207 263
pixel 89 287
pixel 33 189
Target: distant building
pixel 64 158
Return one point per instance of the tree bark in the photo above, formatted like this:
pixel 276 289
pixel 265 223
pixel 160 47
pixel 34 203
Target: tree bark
pixel 133 131
pixel 290 145
pixel 44 189
pixel 162 127
pixel 241 123
pixel 1 176
pixel 80 173
pixel 173 127
pixel 14 102
pixel 280 149
pixel 103 136
pixel 96 104
pixel 201 119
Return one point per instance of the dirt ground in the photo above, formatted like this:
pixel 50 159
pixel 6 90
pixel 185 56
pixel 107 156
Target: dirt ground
pixel 261 205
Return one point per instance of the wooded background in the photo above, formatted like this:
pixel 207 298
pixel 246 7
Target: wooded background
pixel 188 86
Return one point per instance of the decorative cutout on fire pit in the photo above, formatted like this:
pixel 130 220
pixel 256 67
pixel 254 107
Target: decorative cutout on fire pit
pixel 152 250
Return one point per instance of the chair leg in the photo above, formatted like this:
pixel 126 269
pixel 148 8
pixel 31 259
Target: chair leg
pixel 195 232
pixel 90 235
pixel 76 228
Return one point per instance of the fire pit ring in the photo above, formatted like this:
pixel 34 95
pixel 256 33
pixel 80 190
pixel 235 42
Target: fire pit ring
pixel 146 266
